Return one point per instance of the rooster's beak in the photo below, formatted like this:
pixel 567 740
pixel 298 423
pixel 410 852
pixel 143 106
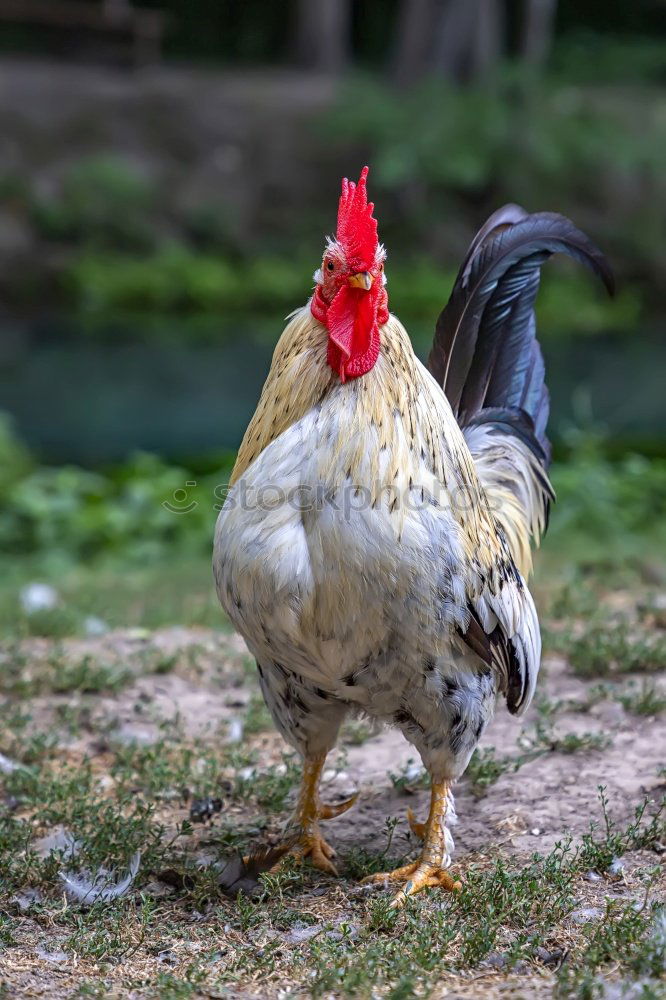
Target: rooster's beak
pixel 362 280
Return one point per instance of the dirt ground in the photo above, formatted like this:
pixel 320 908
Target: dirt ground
pixel 196 688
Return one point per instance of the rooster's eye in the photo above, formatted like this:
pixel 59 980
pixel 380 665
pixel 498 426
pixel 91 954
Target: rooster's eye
pixel 330 265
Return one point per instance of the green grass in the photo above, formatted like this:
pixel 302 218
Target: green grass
pixel 128 797
pixel 175 588
pixel 614 648
pixel 485 768
pixel 643 699
pixel 257 718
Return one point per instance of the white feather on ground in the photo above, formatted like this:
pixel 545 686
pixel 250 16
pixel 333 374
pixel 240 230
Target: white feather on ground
pixel 86 888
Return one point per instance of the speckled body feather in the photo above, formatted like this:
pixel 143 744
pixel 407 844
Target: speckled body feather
pixel 360 556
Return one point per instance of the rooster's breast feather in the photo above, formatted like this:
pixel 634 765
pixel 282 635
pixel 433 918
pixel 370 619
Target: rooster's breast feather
pixel 394 430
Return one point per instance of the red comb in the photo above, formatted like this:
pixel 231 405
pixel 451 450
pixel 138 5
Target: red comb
pixel 357 230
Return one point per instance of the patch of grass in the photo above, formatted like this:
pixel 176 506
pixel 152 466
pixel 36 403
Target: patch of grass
pixel 594 695
pixel 647 699
pixel 270 787
pixel 53 623
pixel 360 862
pixel 485 768
pixel 168 767
pixel 576 598
pixel 410 777
pixel 624 930
pixel 257 718
pixel 356 732
pixel 603 650
pixel 173 587
pixel 88 676
pixel 644 832
pixel 59 673
pixel 580 742
pixel 542 739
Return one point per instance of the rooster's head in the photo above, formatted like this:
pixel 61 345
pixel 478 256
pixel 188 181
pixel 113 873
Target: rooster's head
pixel 350 297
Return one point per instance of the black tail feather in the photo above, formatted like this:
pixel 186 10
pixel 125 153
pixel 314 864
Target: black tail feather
pixel 485 353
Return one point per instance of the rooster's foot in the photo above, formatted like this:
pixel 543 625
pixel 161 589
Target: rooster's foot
pixel 416 876
pixel 311 845
pixel 431 869
pixel 305 836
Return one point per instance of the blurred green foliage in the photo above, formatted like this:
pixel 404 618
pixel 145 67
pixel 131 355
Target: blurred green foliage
pixel 586 140
pixel 102 201
pixel 589 57
pixel 78 513
pixel 595 153
pixel 177 279
pixel 607 500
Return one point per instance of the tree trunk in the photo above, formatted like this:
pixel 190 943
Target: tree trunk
pixel 487 39
pixel 469 39
pixel 538 31
pixel 413 33
pixel 323 34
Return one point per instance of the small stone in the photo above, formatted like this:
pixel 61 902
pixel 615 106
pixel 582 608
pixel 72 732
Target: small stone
pixel 167 958
pixel 132 734
pixel 235 731
pixel 586 913
pixel 55 956
pixel 659 610
pixel 204 809
pixel 157 890
pixel 8 766
pixel 93 626
pixel 413 771
pixel 337 776
pixel 38 597
pixel 592 876
pixel 535 831
pixel 138 634
pixel 302 932
pixel 550 958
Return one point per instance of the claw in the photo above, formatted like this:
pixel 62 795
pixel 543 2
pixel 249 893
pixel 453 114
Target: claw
pixel 320 854
pixel 431 868
pixel 304 837
pixel 416 876
pixel 330 812
pixel 317 850
pixel 397 875
pixel 425 877
pixel 417 828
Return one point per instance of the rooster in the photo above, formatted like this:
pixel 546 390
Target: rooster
pixel 374 546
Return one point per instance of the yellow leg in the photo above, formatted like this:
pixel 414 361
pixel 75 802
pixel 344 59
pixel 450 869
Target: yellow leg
pixel 304 824
pixel 428 870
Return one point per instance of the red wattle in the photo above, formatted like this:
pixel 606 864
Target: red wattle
pixel 352 319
